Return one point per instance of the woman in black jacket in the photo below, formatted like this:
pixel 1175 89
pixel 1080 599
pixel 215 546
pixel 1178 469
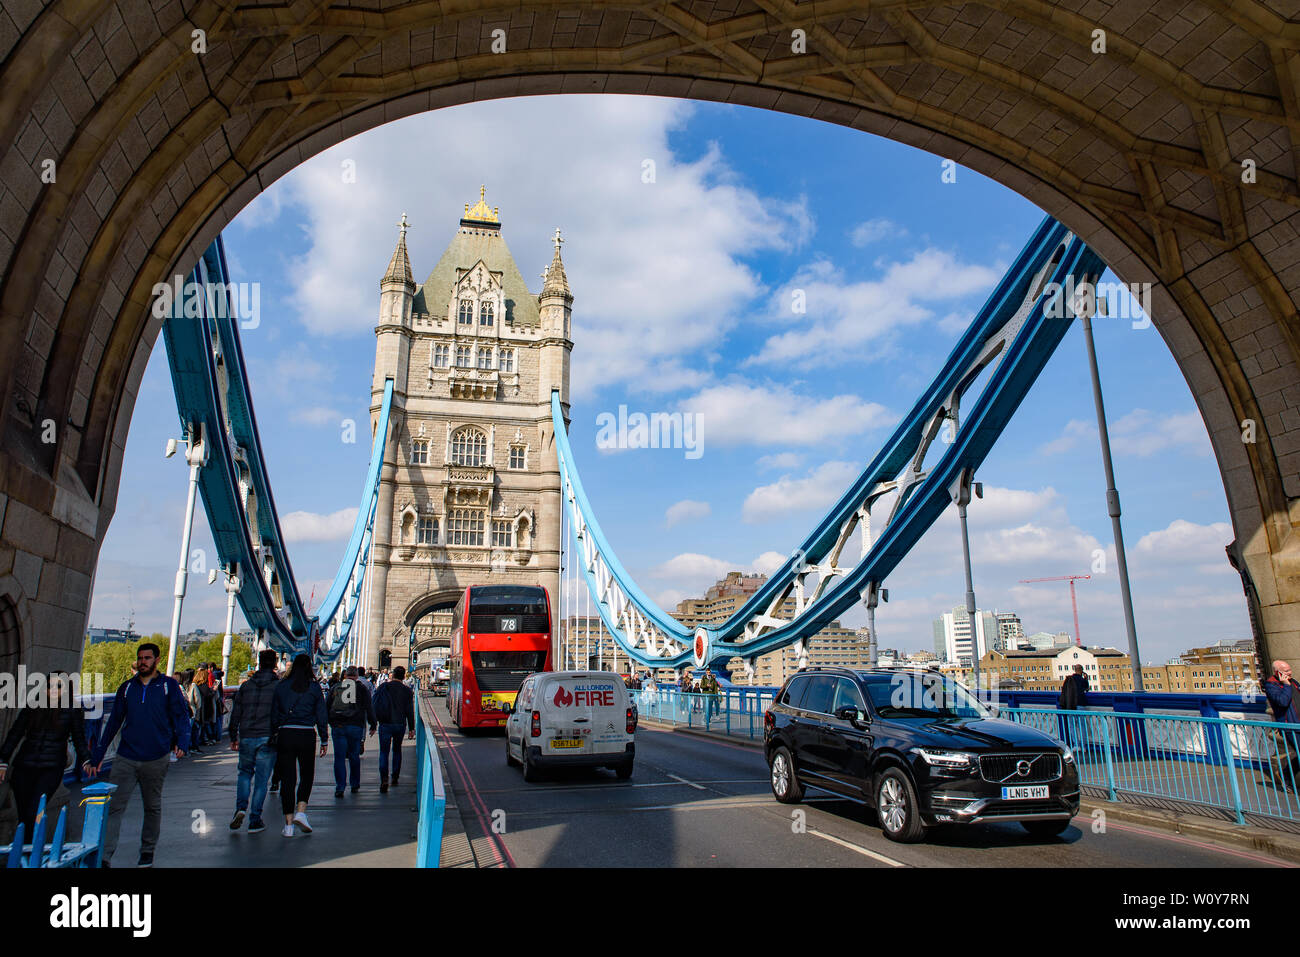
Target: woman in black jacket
pixel 297 714
pixel 44 730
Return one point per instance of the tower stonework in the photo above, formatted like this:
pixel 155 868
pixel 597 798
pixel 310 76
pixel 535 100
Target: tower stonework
pixel 470 487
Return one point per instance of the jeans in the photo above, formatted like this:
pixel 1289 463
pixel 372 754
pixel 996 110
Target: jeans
pixel 126 775
pixel 256 757
pixel 347 744
pixel 28 786
pixel 196 733
pixel 217 724
pixel 390 735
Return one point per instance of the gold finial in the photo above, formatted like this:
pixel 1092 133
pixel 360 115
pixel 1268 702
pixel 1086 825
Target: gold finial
pixel 481 211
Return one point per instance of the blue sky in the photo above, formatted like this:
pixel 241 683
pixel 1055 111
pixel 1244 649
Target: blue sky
pixel 683 289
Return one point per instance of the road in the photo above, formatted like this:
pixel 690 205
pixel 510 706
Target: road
pixel 694 802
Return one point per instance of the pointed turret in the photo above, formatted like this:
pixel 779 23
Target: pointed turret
pixel 399 267
pixel 555 282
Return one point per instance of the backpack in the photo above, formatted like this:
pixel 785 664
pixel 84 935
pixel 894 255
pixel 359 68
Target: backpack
pixel 383 706
pixel 340 708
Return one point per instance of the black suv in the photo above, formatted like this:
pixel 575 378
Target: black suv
pixel 919 748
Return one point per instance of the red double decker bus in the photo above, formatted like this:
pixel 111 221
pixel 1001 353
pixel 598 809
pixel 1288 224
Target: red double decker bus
pixel 500 635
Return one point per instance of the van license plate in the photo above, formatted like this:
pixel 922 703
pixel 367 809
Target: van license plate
pixel 1025 793
pixel 566 743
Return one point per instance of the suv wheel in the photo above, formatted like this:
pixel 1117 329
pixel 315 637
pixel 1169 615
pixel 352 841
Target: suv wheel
pixel 896 807
pixel 785 786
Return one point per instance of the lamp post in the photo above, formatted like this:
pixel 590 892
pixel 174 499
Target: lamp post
pixel 961 492
pixel 196 454
pixel 1084 309
pixel 233 585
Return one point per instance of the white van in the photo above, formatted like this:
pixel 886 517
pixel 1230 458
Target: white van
pixel 572 718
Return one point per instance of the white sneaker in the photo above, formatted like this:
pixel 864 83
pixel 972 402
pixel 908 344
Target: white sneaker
pixel 288 830
pixel 301 820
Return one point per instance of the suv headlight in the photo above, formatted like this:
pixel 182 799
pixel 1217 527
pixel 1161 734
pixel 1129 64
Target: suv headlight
pixel 952 760
pixel 1067 755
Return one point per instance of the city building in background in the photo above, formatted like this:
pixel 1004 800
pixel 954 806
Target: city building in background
pixel 952 634
pixel 96 635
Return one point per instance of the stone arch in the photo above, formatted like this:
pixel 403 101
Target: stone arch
pixel 468 445
pixel 1140 152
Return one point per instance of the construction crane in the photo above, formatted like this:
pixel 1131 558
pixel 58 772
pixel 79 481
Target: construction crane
pixel 1073 601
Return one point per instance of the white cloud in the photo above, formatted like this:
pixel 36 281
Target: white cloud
pixel 769 562
pixel 686 510
pixel 657 269
pixel 815 491
pixel 780 460
pixel 729 412
pixel 1186 543
pixel 849 320
pixel 316 415
pixel 1140 433
pixel 874 230
pixel 313 527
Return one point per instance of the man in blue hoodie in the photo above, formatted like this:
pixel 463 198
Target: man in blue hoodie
pixel 151 713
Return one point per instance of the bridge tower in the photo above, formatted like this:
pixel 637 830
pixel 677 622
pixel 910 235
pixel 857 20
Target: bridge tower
pixel 470 487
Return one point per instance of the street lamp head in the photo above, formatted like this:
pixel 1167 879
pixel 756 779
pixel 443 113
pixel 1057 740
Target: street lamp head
pixel 212 575
pixel 171 448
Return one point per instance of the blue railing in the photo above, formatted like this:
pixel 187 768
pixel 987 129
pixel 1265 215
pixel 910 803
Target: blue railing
pixel 734 711
pixel 1241 767
pixel 431 795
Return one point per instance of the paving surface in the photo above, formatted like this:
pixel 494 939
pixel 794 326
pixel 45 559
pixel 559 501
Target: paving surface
pixel 366 829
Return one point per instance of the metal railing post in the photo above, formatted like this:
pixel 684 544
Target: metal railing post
pixel 1110 764
pixel 1232 771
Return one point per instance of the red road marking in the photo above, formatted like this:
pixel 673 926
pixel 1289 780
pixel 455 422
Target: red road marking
pixel 1161 835
pixel 480 809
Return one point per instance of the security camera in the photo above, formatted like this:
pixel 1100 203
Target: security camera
pixel 171 448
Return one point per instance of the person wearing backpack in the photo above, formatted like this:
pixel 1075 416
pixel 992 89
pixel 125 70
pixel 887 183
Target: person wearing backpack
pixel 395 711
pixel 350 710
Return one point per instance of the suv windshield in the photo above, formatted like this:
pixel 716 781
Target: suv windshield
pixel 922 695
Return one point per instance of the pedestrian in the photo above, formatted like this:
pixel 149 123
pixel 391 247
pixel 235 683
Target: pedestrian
pixel 194 703
pixel 37 743
pixel 297 719
pixel 150 712
pixel 395 712
pixel 250 735
pixel 1282 701
pixel 350 710
pixel 1074 690
pixel 216 679
pixel 202 694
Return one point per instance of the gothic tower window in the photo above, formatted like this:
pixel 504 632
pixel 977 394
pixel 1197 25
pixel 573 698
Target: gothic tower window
pixel 502 536
pixel 463 354
pixel 465 527
pixel 485 358
pixel 428 530
pixel 507 363
pixel 440 355
pixel 518 458
pixel 485 314
pixel 466 316
pixel 469 447
pixel 420 452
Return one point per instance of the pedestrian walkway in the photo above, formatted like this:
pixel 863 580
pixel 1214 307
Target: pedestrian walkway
pixel 366 829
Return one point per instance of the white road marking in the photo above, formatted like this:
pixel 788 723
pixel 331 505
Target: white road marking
pixel 698 787
pixel 854 847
